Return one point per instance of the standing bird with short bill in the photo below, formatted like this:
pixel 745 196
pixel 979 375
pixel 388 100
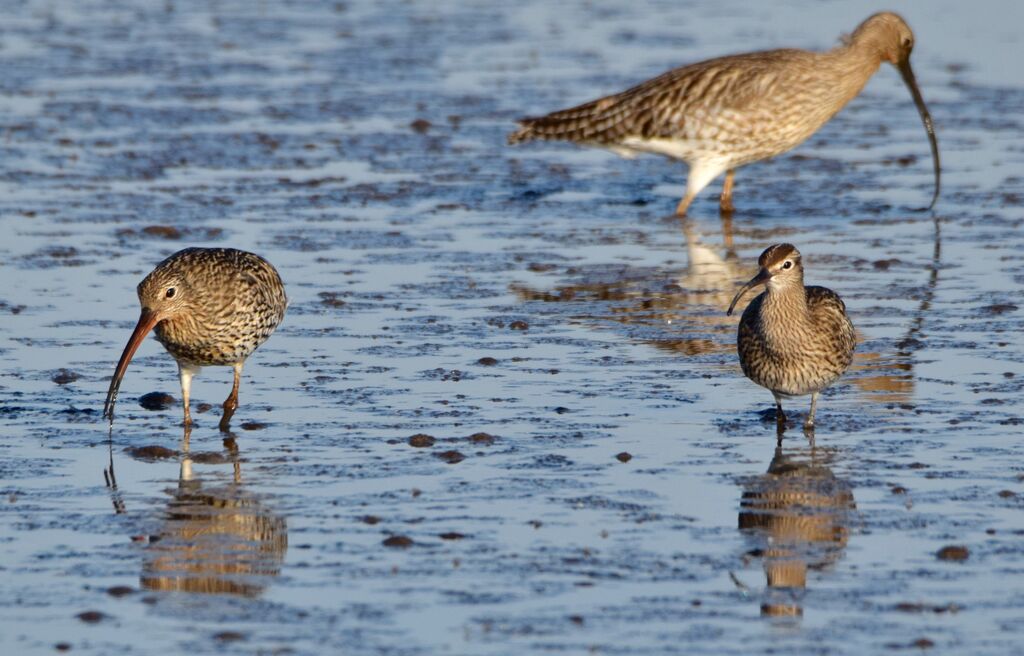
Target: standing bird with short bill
pixel 793 340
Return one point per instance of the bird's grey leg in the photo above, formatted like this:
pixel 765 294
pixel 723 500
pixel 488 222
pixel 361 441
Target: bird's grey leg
pixel 185 374
pixel 725 205
pixel 809 424
pixel 232 401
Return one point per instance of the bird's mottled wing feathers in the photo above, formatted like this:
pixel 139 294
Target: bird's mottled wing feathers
pixel 670 105
pixel 828 311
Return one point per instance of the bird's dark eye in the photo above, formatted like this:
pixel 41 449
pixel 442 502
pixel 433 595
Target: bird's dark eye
pixel 907 43
pixel 170 292
pixel 787 265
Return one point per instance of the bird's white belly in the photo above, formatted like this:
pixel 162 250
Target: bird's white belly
pixel 686 150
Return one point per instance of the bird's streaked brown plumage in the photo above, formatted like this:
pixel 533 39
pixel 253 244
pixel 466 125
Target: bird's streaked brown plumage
pixel 208 307
pixel 723 113
pixel 793 340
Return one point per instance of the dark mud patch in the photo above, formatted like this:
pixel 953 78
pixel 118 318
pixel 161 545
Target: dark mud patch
pixel 953 553
pixel 170 233
pixel 398 542
pixel 64 376
pixel 157 401
pixel 92 616
pixel 482 439
pixel 421 440
pixel 450 457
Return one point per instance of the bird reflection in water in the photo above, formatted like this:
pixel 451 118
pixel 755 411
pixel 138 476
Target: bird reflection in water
pixel 682 311
pixel 216 539
pixel 673 310
pixel 799 515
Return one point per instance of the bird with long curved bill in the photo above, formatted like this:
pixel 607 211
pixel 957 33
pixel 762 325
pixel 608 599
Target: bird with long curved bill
pixel 720 114
pixel 208 307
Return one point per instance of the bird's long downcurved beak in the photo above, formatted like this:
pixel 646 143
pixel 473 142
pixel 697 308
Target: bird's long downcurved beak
pixel 147 320
pixel 926 118
pixel 760 279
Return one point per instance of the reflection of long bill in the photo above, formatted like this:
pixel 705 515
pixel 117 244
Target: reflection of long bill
pixel 926 118
pixel 147 320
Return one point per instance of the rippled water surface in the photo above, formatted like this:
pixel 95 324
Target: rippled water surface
pixel 591 473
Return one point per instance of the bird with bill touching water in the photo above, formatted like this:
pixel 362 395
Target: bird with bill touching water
pixel 720 114
pixel 208 307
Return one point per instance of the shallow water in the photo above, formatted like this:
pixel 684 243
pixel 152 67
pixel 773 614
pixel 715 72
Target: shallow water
pixel 618 490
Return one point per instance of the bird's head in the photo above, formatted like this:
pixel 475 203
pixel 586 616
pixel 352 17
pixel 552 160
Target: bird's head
pixel 888 34
pixel 781 267
pixel 166 292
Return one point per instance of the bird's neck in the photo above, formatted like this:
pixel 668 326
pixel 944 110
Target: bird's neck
pixel 784 316
pixel 855 62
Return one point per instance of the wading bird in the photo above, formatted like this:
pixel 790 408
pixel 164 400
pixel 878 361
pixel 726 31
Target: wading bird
pixel 209 307
pixel 793 340
pixel 720 114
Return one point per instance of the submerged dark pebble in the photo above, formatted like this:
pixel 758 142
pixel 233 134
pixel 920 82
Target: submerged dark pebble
pixel 370 519
pixel 562 410
pixel 420 126
pixel 953 552
pixel 62 646
pixel 482 438
pixel 624 456
pixel 420 440
pixel 398 541
pixel 64 376
pixel 908 607
pixel 164 231
pixel 999 308
pixel 91 616
pixel 1007 494
pixel 229 636
pixel 487 362
pixel 519 325
pixel 156 401
pixel 120 591
pixel 452 535
pixel 253 425
pixel 576 619
pixel 203 407
pixel 450 457
pixel 330 299
pixel 151 452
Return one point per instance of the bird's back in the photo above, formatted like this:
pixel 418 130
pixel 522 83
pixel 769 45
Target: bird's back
pixel 751 106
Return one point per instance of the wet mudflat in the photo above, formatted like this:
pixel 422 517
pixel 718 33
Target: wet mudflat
pixel 504 413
